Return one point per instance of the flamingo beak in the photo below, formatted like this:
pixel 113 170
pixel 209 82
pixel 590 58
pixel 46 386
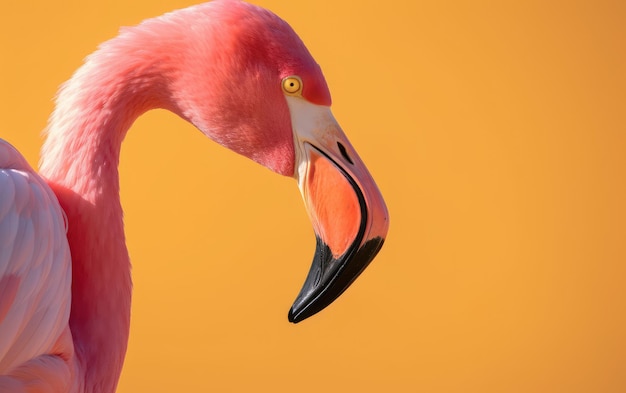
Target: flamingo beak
pixel 346 208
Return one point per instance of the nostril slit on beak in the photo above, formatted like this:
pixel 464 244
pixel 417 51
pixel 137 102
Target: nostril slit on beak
pixel 344 153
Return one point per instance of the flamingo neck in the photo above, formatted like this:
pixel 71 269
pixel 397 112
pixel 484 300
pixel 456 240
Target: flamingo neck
pixel 203 63
pixel 80 160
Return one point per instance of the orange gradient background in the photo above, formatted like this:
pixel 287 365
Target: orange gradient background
pixel 497 134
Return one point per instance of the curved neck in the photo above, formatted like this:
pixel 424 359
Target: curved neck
pixel 218 65
pixel 80 160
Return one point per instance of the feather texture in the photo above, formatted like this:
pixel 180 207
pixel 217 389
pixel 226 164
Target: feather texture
pixel 35 264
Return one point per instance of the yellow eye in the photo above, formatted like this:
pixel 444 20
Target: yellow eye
pixel 292 85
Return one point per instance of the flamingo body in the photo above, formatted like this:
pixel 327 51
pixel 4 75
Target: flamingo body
pixel 35 272
pixel 243 77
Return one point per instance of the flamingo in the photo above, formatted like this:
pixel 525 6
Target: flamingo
pixel 243 77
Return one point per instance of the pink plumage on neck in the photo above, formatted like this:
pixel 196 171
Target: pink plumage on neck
pixel 218 65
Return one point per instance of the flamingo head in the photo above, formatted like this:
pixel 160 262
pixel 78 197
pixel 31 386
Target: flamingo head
pixel 250 84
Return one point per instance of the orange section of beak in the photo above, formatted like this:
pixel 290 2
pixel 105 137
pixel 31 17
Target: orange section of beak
pixel 332 204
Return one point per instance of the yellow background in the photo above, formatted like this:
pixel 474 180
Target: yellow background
pixel 497 134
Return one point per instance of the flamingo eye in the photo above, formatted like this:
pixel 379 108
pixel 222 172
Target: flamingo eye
pixel 292 85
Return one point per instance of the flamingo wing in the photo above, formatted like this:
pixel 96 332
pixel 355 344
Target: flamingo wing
pixel 35 268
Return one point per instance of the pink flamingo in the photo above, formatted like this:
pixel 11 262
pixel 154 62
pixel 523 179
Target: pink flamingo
pixel 243 78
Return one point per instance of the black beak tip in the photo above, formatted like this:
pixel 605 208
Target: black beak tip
pixel 329 278
pixel 307 305
pixel 293 317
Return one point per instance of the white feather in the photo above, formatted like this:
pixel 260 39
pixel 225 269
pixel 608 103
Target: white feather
pixel 35 265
